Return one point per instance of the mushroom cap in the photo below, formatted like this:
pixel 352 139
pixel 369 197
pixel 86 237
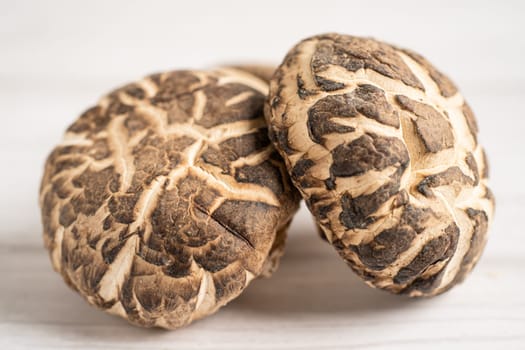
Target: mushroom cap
pixel 261 71
pixel 167 198
pixel 383 148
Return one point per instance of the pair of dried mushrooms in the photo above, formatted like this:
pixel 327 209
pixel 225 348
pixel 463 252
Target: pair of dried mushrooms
pixel 168 197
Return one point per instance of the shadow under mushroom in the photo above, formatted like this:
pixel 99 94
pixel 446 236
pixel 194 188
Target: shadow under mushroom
pixel 313 279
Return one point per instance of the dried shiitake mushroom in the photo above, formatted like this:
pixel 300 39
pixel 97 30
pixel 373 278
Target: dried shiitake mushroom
pixel 262 71
pixel 383 148
pixel 167 198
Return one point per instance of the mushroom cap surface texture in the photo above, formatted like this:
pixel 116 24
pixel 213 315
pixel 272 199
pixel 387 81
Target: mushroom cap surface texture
pixel 167 198
pixel 384 150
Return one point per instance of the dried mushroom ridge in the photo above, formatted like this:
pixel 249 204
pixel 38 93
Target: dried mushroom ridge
pixel 383 149
pixel 164 200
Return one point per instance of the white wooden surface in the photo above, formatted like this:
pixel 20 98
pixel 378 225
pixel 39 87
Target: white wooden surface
pixel 57 58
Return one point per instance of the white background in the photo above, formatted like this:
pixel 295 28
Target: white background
pixel 58 57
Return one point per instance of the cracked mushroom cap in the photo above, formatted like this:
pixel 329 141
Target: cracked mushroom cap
pixel 383 148
pixel 167 198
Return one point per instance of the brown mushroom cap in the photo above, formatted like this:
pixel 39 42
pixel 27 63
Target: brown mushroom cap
pixel 167 198
pixel 383 148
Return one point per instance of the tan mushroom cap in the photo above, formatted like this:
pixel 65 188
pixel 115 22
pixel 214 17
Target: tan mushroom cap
pixel 262 71
pixel 167 198
pixel 383 148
